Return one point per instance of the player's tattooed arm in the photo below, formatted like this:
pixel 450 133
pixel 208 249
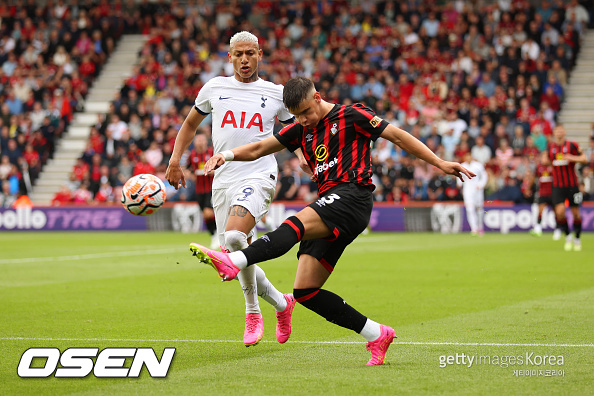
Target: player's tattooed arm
pixel 238 211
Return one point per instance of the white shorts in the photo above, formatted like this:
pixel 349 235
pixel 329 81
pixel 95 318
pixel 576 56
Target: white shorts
pixel 253 194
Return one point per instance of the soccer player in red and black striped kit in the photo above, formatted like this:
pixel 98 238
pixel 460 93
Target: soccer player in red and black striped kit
pixel 564 154
pixel 335 141
pixel 544 174
pixel 199 155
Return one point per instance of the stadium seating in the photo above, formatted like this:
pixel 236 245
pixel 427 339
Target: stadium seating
pixel 459 77
pixel 49 57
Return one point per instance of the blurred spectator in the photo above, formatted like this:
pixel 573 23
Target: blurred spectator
pixel 590 153
pixel 580 12
pixel 518 142
pixel 481 152
pixel 7 197
pixel 460 78
pixel 62 197
pixel 142 166
pixel 41 50
pixel 588 182
pixel 504 153
pixel 289 183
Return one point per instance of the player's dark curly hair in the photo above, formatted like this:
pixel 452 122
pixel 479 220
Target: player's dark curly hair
pixel 296 91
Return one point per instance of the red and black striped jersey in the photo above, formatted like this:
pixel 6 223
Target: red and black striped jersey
pixel 544 173
pixel 563 170
pixel 197 162
pixel 337 151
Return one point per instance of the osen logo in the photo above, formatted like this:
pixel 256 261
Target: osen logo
pixel 79 362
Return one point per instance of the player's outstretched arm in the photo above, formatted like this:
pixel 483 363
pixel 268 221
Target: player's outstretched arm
pixel 247 152
pixel 175 173
pixel 414 146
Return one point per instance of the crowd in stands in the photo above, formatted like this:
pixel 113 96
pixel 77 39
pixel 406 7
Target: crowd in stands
pixel 49 55
pixel 488 78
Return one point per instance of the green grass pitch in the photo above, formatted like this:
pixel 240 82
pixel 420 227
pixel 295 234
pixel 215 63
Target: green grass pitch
pixel 496 296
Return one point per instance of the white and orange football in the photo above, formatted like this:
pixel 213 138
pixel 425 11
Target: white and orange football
pixel 143 194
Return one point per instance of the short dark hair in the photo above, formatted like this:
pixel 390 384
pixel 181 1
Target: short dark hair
pixel 296 91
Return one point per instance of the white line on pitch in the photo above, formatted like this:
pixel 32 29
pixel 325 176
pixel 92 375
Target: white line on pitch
pixel 302 342
pixel 115 254
pixel 88 256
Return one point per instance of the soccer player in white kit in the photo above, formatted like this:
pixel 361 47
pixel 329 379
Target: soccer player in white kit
pixel 473 192
pixel 243 108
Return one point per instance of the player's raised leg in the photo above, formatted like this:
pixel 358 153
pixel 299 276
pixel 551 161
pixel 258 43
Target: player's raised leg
pixel 311 276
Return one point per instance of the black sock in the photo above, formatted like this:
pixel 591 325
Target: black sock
pixel 562 224
pixel 331 307
pixel 577 227
pixel 539 218
pixel 275 243
pixel 211 226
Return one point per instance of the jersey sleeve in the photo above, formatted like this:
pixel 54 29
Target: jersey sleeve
pixel 284 116
pixel 289 136
pixel 575 149
pixel 202 102
pixel 366 122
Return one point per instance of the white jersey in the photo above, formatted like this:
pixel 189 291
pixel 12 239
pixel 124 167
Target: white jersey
pixel 242 113
pixel 478 182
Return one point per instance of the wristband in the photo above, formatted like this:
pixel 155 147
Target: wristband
pixel 228 155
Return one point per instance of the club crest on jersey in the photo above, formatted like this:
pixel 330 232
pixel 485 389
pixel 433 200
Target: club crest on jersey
pixel 375 121
pixel 334 129
pixel 308 137
pixel 321 152
pixel 263 101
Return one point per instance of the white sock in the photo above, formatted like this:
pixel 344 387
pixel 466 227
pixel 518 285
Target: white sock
pixel 267 291
pixel 371 331
pixel 235 241
pixel 247 279
pixel 238 259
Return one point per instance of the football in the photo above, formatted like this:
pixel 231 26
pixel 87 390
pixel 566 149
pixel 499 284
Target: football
pixel 143 194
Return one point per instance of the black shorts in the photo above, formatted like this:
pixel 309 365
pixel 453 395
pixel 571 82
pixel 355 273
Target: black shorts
pixel 545 199
pixel 346 210
pixel 572 194
pixel 204 200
